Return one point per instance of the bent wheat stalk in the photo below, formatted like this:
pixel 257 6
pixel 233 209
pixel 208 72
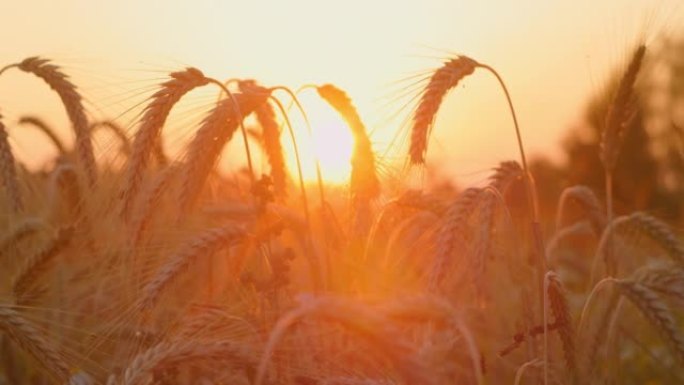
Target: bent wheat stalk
pixel 73 103
pixel 45 129
pixel 149 133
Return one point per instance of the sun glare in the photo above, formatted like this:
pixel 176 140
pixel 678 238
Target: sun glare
pixel 330 142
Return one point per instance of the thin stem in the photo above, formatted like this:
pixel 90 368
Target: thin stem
pixel 242 126
pixel 295 100
pixel 5 68
pixel 315 267
pixel 609 214
pixel 298 162
pixel 529 184
pixel 585 309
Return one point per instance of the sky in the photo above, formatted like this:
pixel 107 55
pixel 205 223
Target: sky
pixel 552 54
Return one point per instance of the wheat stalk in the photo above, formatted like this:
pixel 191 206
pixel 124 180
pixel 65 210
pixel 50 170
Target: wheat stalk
pixel 73 103
pixel 151 123
pixel 45 129
pixel 8 172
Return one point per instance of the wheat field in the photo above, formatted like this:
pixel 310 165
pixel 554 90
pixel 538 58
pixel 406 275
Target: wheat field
pixel 165 270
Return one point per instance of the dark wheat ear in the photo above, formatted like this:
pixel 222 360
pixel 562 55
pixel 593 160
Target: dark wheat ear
pixel 148 136
pixel 8 172
pixel 73 103
pixel 621 112
pixel 442 80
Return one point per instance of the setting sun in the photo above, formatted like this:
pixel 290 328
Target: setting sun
pixel 331 142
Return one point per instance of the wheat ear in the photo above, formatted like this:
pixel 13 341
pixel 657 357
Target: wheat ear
pixel 442 80
pixel 587 200
pixel 149 133
pixel 214 132
pixel 270 138
pixel 73 103
pixel 31 340
pixel 37 263
pixel 621 112
pixel 658 313
pixel 45 129
pixel 171 353
pixel 450 233
pixel 8 171
pixel 358 319
pixel 202 245
pixel 559 307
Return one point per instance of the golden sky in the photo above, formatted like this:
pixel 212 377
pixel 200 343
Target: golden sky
pixel 552 54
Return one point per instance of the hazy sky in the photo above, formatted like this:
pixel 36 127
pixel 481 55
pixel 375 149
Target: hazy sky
pixel 552 54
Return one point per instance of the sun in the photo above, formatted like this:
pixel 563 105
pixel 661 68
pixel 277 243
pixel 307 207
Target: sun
pixel 330 142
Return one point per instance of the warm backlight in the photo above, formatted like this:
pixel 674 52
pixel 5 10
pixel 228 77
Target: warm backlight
pixel 330 142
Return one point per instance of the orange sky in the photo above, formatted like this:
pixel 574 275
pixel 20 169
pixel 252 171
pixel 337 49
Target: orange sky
pixel 552 54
